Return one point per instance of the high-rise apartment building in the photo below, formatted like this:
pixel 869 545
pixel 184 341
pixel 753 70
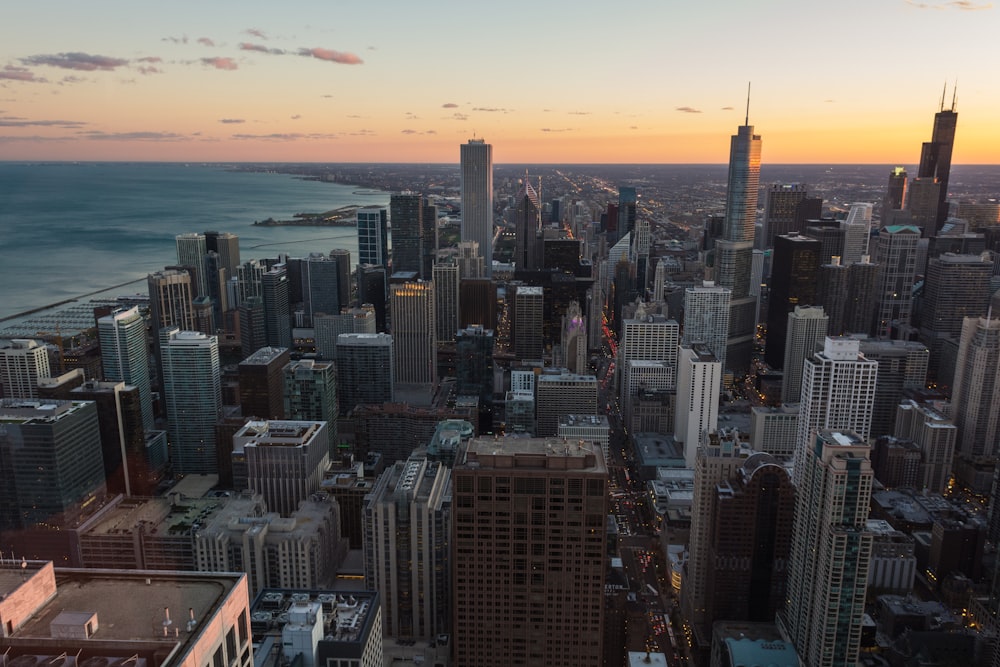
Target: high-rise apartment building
pixel 275 291
pixel 975 394
pixel 647 337
pixel 806 329
pixel 838 391
pixel 285 460
pixel 192 395
pixel 373 235
pixel 935 435
pixel 706 317
pixel 848 296
pixel 477 198
pixel 411 306
pixel 310 394
pixel 528 535
pixel 192 252
pixel 831 549
pixel 171 300
pixel 125 355
pixel 51 457
pixel 261 377
pixel 896 256
pixel 699 383
pixel 409 512
pixel 794 273
pixel 902 365
pixel 857 233
pixel 364 370
pixel 22 362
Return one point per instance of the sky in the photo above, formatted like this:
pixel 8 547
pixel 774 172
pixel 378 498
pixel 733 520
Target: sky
pixel 548 81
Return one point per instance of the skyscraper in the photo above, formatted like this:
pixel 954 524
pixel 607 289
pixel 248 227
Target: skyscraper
pixel 895 195
pixel 975 395
pixel 560 395
pixel 857 233
pixel 544 608
pixel 321 290
pixel 22 362
pixel 227 246
pixel 192 393
pixel 902 365
pixel 364 370
pixel 706 317
pixel 373 236
pixel 261 376
pixel 793 282
pixel 310 394
pixel 781 210
pixel 831 549
pixel 127 466
pixel 527 225
pixel 474 364
pixel 191 253
pixel 838 391
pixel 896 256
pixel 526 324
pixel 847 295
pixel 409 512
pixel 628 202
pixel 411 307
pixel 125 355
pixel 446 300
pixel 734 253
pixel 406 217
pixel 477 198
pixel 275 292
pixel 699 383
pixel 806 328
pixel 171 300
pixel 647 337
pixel 955 287
pixel 935 155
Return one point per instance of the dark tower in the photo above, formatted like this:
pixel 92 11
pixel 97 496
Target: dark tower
pixel 935 155
pixel 794 275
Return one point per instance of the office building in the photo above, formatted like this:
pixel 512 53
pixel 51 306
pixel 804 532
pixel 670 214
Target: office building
pixel 477 302
pixel 857 233
pixel 543 570
pixel 526 323
pixel 321 289
pixel 140 618
pixel 364 370
pixel 285 460
pixel 895 195
pixel 838 392
pixel 935 157
pixel 470 261
pixel 22 362
pixel 171 300
pixel 935 435
pixel 276 293
pixel 125 355
pixel 699 383
pixel 794 274
pixel 773 429
pixel 408 244
pixel 573 342
pixel 831 549
pixel 975 395
pixel 373 288
pixel 253 325
pixel 647 337
pixel 589 428
pixel 373 235
pixel 477 198
pixel 192 396
pixel 262 383
pixel 783 211
pixel 227 246
pixel 192 252
pixel 51 455
pixel 806 329
pixel 706 317
pixel 955 287
pixel 411 307
pixel 896 256
pixel 446 300
pixel 527 228
pixel 474 363
pixel 847 295
pixel 902 365
pixel 628 202
pixel 409 512
pixel 310 394
pixel 326 328
pixel 558 395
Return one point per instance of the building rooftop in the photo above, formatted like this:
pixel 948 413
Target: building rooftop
pixel 562 453
pixel 347 616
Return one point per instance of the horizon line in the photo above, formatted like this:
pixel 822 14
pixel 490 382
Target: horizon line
pixel 495 164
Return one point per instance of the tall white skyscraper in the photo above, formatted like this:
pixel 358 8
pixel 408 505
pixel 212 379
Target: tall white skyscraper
pixel 22 362
pixel 857 231
pixel 975 393
pixel 831 550
pixel 125 356
pixel 838 392
pixel 807 328
pixel 647 337
pixel 699 382
pixel 192 391
pixel 706 317
pixel 192 252
pixel 477 198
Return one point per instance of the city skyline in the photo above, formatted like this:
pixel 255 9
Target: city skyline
pixel 344 84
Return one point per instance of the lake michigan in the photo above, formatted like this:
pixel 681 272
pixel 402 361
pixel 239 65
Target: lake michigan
pixel 69 229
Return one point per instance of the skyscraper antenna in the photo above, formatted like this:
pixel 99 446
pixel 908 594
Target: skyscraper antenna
pixel 954 95
pixel 944 90
pixel 747 121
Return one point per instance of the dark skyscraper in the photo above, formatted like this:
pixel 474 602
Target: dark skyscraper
pixel 406 217
pixel 935 155
pixel 793 283
pixel 527 223
pixel 373 288
pixel 628 201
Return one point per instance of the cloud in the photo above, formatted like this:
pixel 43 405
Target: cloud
pixel 296 116
pixel 131 136
pixel 15 121
pixel 5 139
pixel 256 33
pixel 284 136
pixel 149 59
pixel 633 127
pixel 459 116
pixel 205 41
pixel 183 39
pixel 431 132
pixel 150 70
pixel 962 5
pixel 728 109
pixel 687 109
pixel 231 121
pixel 220 63
pixel 329 55
pixel 578 113
pixel 14 73
pixel 260 48
pixel 410 132
pixel 449 105
pixel 557 129
pixel 829 101
pixel 84 62
pixel 491 109
pixel 72 79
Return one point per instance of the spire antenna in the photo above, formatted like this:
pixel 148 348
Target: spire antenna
pixel 747 121
pixel 944 91
pixel 954 95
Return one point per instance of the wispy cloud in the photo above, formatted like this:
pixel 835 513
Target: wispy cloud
pixel 578 113
pixel 557 129
pixel 71 79
pixel 491 109
pixel 84 62
pixel 183 39
pixel 284 136
pixel 297 116
pixel 256 33
pixel 131 136
pixel 449 105
pixel 260 48
pixel 329 55
pixel 8 139
pixel 687 109
pixel 728 109
pixel 205 41
pixel 961 5
pixel 149 69
pixel 231 121
pixel 16 121
pixel 14 73
pixel 410 132
pixel 220 63
pixel 459 116
pixel 149 59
